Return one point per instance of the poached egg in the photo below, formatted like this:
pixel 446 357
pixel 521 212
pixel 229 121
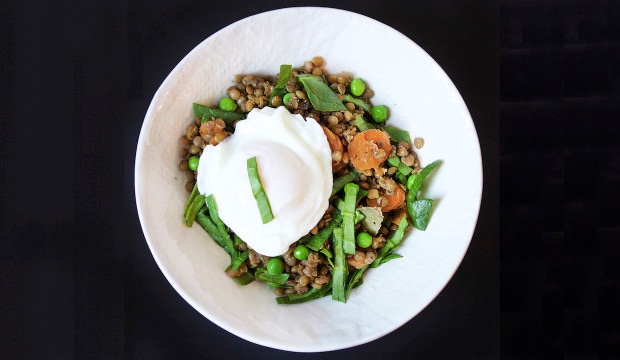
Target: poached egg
pixel 295 167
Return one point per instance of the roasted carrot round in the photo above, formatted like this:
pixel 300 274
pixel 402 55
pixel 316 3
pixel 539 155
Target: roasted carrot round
pixel 394 201
pixel 369 149
pixel 335 145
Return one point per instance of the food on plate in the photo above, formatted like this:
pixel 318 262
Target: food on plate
pixel 302 181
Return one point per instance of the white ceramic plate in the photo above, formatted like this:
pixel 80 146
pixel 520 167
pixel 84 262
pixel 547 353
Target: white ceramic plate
pixel 422 100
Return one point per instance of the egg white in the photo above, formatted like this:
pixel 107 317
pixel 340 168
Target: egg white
pixel 294 163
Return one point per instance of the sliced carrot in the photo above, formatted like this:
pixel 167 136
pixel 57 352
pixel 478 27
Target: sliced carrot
pixel 369 149
pixel 398 216
pixel 335 144
pixel 394 201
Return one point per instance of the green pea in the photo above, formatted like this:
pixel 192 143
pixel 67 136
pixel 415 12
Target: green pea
pixel 193 162
pixel 410 180
pixel 228 104
pixel 301 252
pixel 357 87
pixel 286 98
pixel 379 113
pixel 364 240
pixel 275 266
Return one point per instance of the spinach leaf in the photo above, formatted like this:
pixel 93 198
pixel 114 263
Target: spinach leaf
pixel 276 279
pixel 285 74
pixel 205 113
pixel 397 135
pixel 357 102
pixel 419 178
pixel 389 257
pixel 320 95
pixel 420 211
pixel 362 124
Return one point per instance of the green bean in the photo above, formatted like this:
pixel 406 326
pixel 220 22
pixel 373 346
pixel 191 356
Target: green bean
pixel 340 267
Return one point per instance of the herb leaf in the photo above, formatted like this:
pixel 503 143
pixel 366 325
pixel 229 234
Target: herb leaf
pixel 205 113
pixel 420 211
pixel 419 178
pixel 276 279
pixel 285 74
pixel 357 102
pixel 320 95
pixel 362 124
pixel 389 257
pixel 397 135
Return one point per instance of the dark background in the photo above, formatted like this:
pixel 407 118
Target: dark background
pixel 78 280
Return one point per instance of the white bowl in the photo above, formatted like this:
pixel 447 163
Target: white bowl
pixel 421 99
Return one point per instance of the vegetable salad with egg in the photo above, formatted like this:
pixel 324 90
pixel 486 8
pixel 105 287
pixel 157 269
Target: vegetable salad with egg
pixel 302 181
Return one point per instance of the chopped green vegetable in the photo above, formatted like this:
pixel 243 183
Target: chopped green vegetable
pixel 228 104
pixel 363 240
pixel 275 266
pixel 379 113
pixel 343 180
pixel 418 179
pixel 258 191
pixel 244 278
pixel 283 77
pixel 320 95
pixel 354 280
pixel 402 168
pixel 317 240
pixel 262 274
pixel 348 217
pixel 359 216
pixel 193 209
pixel 340 266
pixel 328 255
pixel 358 102
pixel 357 87
pixel 312 294
pixel 206 223
pixel 191 198
pixel 192 162
pixel 397 135
pixel 205 113
pixel 420 211
pixel 229 246
pixel 389 257
pixel 240 257
pixel 301 252
pixel 363 125
pixel 391 242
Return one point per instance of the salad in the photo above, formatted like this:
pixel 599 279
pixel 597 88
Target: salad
pixel 314 234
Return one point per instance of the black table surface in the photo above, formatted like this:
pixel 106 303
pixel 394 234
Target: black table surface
pixel 78 280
